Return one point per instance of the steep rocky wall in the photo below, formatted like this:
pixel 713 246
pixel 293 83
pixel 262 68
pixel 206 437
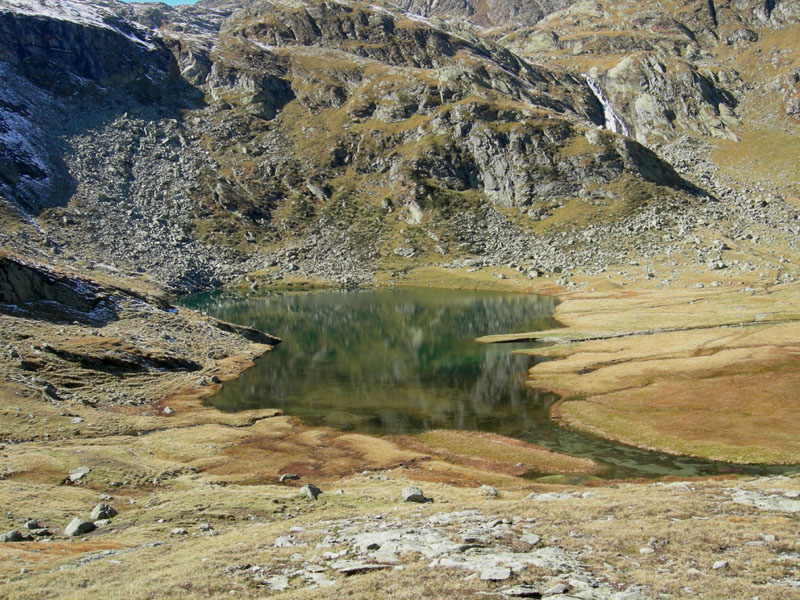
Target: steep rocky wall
pixel 58 54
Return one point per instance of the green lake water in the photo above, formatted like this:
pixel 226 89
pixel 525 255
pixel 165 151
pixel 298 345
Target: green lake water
pixel 405 361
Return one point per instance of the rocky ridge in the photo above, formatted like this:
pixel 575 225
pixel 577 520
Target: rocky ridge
pixel 331 140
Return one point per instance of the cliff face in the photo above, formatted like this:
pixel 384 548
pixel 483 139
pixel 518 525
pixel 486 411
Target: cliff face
pixel 333 139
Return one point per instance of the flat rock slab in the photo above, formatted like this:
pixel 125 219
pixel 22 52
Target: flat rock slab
pixel 278 583
pixel 774 502
pixel 78 474
pixel 521 591
pixel 352 567
pixel 495 573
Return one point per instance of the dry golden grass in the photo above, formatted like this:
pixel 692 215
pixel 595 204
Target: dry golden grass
pixel 722 386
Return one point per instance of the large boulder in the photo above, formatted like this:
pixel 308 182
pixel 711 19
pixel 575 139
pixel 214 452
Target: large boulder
pixel 79 527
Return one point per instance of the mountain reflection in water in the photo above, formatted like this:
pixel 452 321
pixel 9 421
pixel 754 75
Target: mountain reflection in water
pixel 405 361
pixel 389 361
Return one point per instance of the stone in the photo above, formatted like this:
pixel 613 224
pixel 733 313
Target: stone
pixel 488 490
pixel 277 583
pixel 102 511
pixel 32 524
pixel 557 589
pixel 495 573
pixel 102 523
pixel 319 579
pixel 287 477
pixel 168 411
pixel 310 490
pixel 78 473
pixel 414 494
pixel 205 527
pixel 521 591
pixel 530 538
pixel 78 527
pixel 352 567
pixel 720 564
pixel 179 531
pixel 11 536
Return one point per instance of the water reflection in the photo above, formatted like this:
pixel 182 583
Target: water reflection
pixel 389 361
pixel 405 361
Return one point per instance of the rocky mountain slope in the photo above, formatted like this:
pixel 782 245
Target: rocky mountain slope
pixel 331 140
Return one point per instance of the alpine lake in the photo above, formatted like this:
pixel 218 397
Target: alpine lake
pixel 405 361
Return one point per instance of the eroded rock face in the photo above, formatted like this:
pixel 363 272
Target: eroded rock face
pixel 31 290
pixel 662 99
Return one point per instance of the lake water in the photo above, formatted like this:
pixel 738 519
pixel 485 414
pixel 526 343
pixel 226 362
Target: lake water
pixel 405 361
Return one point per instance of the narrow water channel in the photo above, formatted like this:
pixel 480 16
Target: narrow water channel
pixel 405 361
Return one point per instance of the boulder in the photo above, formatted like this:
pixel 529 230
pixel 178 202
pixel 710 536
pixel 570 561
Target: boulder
pixel 102 511
pixel 310 490
pixel 414 494
pixel 78 527
pixel 78 474
pixel 11 536
pixel 488 490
